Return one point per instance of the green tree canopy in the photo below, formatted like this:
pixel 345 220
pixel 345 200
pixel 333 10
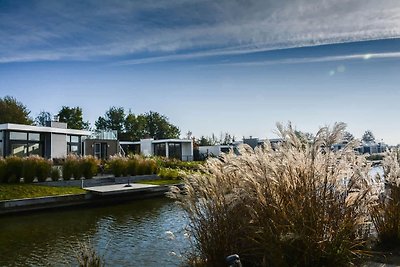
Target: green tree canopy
pixel 42 118
pixel 13 111
pixel 73 117
pixel 158 127
pixel 114 119
pixel 368 137
pixel 131 127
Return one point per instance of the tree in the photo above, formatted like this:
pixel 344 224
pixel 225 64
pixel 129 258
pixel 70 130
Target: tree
pixel 348 136
pixel 73 117
pixel 158 127
pixel 114 119
pixel 135 127
pixel 42 118
pixel 13 111
pixel 368 137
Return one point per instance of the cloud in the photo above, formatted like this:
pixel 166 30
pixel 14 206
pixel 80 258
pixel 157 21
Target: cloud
pixel 388 55
pixel 154 31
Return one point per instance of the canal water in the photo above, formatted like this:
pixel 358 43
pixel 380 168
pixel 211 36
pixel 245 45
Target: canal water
pixel 139 233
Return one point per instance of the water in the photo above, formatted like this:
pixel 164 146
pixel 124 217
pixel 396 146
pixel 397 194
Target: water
pixel 139 233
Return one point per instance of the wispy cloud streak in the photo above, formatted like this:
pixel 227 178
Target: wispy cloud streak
pixel 157 31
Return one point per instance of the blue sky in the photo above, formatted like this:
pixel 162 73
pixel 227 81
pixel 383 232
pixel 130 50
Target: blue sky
pixel 210 66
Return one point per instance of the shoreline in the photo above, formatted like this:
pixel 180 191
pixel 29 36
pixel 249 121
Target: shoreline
pixel 89 198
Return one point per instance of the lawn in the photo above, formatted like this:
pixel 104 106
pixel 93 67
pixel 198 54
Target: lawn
pixel 159 182
pixel 19 191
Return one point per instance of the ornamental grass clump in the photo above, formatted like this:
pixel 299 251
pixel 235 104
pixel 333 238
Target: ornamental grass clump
pixel 386 213
pixel 299 204
pixel 43 169
pixel 68 167
pixel 14 169
pixel 118 165
pixel 29 171
pixel 89 166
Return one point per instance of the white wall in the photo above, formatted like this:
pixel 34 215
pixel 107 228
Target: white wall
pixel 187 151
pixel 146 147
pixel 58 145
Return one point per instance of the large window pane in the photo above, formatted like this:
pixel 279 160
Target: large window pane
pixel 34 137
pixel 159 150
pixel 19 150
pixel 18 136
pixel 35 149
pixel 74 139
pixel 175 150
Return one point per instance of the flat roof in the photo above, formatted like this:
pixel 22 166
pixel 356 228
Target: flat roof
pixel 41 129
pixel 156 141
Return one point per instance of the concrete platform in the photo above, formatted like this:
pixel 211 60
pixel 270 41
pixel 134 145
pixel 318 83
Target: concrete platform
pixel 123 188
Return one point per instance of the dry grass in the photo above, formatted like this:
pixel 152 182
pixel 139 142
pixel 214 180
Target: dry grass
pixel 386 214
pixel 299 205
pixel 87 255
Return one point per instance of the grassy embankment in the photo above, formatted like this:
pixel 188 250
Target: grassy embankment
pixel 19 191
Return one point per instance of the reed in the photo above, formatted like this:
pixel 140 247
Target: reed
pixel 300 204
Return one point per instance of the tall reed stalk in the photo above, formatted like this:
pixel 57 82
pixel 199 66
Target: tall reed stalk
pixel 386 214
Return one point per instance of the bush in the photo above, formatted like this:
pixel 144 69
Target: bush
pixel 30 166
pixel 133 164
pixel 298 205
pixel 3 170
pixel 14 169
pixel 55 174
pixel 43 169
pixel 68 167
pixel 118 166
pixel 89 166
pixel 170 174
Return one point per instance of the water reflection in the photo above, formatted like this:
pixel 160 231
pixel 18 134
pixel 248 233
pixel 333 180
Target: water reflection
pixel 130 234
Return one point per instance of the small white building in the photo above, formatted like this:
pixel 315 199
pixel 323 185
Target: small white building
pixel 181 149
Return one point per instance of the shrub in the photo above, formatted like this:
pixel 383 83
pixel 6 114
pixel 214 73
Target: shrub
pixel 89 165
pixel 150 166
pixel 43 169
pixel 118 166
pixel 14 169
pixel 386 214
pixel 298 205
pixel 68 167
pixel 133 163
pixel 77 170
pixel 168 173
pixel 3 170
pixel 30 166
pixel 55 174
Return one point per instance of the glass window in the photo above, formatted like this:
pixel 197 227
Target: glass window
pixel 34 137
pixel 18 136
pixel 19 150
pixel 159 149
pixel 175 150
pixel 74 148
pixel 35 149
pixel 74 139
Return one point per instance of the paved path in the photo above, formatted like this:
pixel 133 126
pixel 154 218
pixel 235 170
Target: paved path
pixel 119 188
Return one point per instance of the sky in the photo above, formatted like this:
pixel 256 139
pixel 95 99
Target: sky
pixel 210 66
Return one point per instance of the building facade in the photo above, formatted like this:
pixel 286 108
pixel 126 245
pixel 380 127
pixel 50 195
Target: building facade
pixel 52 141
pixel 181 149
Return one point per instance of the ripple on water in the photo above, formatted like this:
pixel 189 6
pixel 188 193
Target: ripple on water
pixel 130 234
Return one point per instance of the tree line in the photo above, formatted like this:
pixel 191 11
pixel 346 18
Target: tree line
pixel 128 125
